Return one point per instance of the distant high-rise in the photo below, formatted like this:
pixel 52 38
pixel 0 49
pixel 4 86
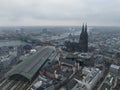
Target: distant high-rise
pixel 83 40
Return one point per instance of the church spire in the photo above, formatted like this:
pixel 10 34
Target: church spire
pixel 86 27
pixel 82 33
pixel 85 32
pixel 82 28
pixel 86 38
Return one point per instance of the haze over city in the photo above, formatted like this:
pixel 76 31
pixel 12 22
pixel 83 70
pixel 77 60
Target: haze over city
pixel 59 12
pixel 59 44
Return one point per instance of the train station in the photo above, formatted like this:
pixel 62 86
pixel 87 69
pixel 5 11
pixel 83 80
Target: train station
pixel 29 67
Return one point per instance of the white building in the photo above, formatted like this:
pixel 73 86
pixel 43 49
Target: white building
pixel 93 75
pixel 85 55
pixel 36 85
pixel 115 69
pixel 6 61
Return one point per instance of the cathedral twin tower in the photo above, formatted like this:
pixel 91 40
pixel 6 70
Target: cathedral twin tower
pixel 83 40
pixel 82 45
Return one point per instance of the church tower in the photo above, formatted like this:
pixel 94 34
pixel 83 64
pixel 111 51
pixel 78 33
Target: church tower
pixel 83 40
pixel 86 39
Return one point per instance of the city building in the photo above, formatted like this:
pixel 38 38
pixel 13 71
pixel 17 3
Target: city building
pixel 99 61
pixel 111 82
pixel 115 69
pixel 61 72
pixel 86 56
pixel 90 77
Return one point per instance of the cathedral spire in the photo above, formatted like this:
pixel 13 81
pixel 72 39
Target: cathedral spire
pixel 85 32
pixel 82 33
pixel 82 28
pixel 86 27
pixel 86 38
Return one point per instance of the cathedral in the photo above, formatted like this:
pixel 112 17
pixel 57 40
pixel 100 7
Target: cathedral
pixel 82 45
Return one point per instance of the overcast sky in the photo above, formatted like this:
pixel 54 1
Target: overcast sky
pixel 59 12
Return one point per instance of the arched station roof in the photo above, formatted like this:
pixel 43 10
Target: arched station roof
pixel 29 67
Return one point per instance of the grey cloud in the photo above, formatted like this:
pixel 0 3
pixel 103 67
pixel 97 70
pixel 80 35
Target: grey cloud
pixel 59 10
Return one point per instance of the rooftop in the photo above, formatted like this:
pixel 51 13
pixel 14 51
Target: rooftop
pixel 29 67
pixel 91 75
pixel 115 66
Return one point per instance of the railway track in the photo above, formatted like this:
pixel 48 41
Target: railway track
pixel 4 83
pixel 1 80
pixel 19 86
pixel 8 84
pixel 11 85
pixel 24 87
pixel 16 85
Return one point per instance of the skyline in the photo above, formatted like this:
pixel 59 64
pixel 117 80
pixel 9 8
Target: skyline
pixel 59 12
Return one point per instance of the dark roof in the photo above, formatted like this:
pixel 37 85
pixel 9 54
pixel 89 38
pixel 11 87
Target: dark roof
pixel 48 68
pixel 32 64
pixel 68 61
pixel 70 84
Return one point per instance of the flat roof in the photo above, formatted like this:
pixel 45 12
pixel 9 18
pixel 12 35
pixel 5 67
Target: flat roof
pixel 29 67
pixel 115 66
